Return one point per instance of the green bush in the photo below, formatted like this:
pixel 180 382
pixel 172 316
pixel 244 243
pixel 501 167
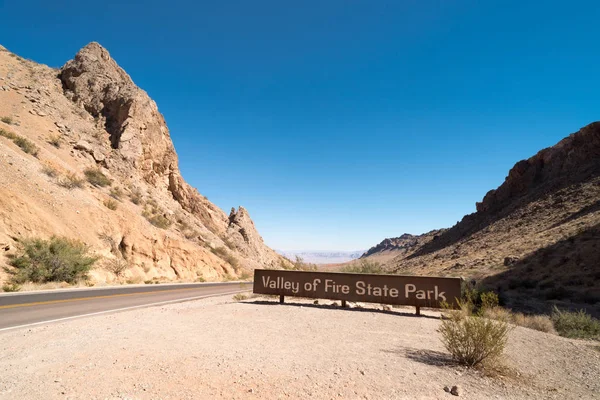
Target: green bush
pixel 96 177
pixel 54 260
pixel 7 120
pixel 472 340
pixel 576 324
pixel 11 287
pixel 364 267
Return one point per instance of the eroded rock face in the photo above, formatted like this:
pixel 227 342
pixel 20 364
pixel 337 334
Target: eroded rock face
pixel 572 160
pixel 94 81
pixel 131 141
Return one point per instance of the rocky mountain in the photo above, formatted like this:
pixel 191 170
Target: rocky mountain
pixel 535 239
pixel 85 153
pixel 322 257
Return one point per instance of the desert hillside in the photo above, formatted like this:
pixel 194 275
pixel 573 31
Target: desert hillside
pixel 535 239
pixel 85 154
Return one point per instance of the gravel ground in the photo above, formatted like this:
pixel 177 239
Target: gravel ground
pixel 216 348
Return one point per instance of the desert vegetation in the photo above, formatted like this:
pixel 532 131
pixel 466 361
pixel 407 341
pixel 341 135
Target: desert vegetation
pixel 579 325
pixel 96 177
pixel 117 266
pixel 364 266
pixel 56 259
pixel 24 144
pixel 472 338
pixel 7 120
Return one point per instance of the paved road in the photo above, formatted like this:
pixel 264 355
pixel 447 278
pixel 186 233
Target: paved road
pixel 35 308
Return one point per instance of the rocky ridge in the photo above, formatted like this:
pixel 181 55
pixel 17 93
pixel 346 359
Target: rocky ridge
pixel 90 115
pixel 534 239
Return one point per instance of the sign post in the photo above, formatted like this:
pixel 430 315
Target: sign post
pixel 418 291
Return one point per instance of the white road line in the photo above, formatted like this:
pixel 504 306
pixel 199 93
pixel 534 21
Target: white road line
pixel 120 309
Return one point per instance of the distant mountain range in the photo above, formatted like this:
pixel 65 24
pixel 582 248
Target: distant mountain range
pixel 322 257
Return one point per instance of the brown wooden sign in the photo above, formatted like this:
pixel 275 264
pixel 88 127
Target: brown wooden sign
pixel 419 291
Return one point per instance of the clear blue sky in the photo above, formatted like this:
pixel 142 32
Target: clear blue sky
pixel 338 123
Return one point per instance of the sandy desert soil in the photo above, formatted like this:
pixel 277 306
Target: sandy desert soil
pixel 217 348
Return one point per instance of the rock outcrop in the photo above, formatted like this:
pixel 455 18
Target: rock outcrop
pixel 534 239
pixel 97 118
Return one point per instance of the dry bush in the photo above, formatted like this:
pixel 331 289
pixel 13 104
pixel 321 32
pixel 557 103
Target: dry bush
pixel 49 170
pixel 7 120
pixel 71 181
pixel 111 204
pixel 54 140
pixel 117 266
pixel 541 323
pixel 116 193
pixel 241 296
pixel 11 287
pixel 364 267
pixel 472 340
pixel 136 196
pixel 25 144
pixel 578 324
pixel 96 177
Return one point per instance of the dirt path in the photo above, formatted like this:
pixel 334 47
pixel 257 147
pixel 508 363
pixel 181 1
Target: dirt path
pixel 216 348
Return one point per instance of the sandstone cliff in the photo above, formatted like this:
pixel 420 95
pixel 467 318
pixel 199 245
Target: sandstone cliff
pixel 534 239
pixel 89 115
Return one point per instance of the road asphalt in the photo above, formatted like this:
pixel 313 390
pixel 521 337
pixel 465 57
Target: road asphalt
pixel 20 310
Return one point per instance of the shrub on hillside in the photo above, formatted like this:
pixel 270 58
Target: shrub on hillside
pixel 7 120
pixel 54 140
pixel 117 266
pixel 576 324
pixel 26 145
pixel 54 260
pixel 111 204
pixel 96 177
pixel 71 181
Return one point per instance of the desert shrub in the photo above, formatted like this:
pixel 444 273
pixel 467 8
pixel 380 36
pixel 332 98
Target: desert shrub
pixel 488 300
pixel 54 260
pixel 116 193
pixel 160 221
pixel 7 134
pixel 191 234
pixel 230 258
pixel 541 323
pixel 219 251
pixel 576 324
pixel 7 120
pixel 364 267
pixel 136 196
pixel 96 177
pixel 111 204
pixel 241 296
pixel 71 181
pixel 54 140
pixel 26 145
pixel 155 215
pixel 50 171
pixel 11 287
pixel 117 266
pixel 472 340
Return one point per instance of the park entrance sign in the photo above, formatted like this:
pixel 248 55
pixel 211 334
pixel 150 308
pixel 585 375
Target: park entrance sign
pixel 418 291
